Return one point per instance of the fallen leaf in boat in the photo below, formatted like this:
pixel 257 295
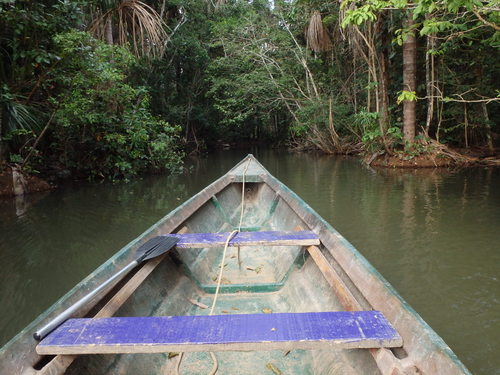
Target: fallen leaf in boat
pixel 224 311
pixel 274 369
pixel 234 308
pixel 267 310
pixel 172 355
pixel 256 270
pixel 199 304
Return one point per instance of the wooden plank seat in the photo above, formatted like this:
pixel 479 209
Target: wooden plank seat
pixel 239 332
pixel 265 238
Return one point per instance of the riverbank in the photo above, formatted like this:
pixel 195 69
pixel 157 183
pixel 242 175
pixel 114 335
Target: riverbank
pixel 13 182
pixel 430 161
pixel 437 156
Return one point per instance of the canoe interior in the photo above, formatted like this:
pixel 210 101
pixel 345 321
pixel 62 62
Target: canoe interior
pixel 262 268
pixel 270 279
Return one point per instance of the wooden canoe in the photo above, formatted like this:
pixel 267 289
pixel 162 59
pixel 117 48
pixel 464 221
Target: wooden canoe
pixel 278 285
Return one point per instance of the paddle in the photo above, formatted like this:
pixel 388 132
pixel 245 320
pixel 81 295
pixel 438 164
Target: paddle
pixel 150 249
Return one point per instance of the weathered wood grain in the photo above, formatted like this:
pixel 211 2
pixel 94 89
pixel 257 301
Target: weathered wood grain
pixel 60 363
pixel 240 332
pixel 345 297
pixel 269 238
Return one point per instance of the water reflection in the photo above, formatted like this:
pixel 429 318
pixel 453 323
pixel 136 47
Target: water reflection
pixel 432 233
pixel 59 240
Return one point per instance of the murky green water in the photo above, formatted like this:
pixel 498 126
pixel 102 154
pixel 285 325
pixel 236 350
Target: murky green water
pixel 432 234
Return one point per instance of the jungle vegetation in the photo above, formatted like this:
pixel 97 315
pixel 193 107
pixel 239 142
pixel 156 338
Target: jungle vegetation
pixel 114 88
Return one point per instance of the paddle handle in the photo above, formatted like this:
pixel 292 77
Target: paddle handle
pixel 70 311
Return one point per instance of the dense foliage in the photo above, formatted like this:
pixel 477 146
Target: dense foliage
pixel 104 126
pixel 77 92
pixel 376 76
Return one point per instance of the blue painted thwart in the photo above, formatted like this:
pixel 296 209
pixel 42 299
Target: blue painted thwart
pixel 246 238
pixel 122 332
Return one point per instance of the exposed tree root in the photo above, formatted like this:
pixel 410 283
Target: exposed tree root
pixel 462 159
pixel 435 155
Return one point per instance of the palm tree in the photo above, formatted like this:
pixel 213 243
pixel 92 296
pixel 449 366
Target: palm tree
pixel 316 36
pixel 16 116
pixel 131 21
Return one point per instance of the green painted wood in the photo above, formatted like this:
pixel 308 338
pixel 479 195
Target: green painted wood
pixel 220 209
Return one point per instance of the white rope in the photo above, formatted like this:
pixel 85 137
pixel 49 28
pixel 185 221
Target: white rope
pixel 219 279
pixel 229 238
pixel 243 194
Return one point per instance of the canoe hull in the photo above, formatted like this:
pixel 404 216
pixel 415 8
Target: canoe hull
pixel 277 279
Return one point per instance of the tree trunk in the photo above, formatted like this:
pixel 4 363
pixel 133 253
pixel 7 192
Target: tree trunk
pixel 409 81
pixel 1 139
pixel 487 123
pixel 383 62
pixel 353 86
pixel 466 126
pixel 487 126
pixel 109 30
pixel 384 92
pixel 430 78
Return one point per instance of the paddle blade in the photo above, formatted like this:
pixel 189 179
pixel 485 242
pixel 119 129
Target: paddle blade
pixel 155 247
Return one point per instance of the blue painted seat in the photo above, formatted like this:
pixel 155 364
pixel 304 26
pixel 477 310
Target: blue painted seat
pixel 240 332
pixel 267 238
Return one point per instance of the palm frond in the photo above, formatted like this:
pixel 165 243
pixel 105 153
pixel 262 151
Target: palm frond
pixel 316 35
pixel 19 122
pixel 136 23
pixel 21 117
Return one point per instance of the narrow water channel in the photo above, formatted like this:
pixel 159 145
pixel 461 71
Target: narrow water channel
pixel 433 234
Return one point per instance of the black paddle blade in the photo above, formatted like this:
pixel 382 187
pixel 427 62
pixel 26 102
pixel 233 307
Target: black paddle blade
pixel 155 247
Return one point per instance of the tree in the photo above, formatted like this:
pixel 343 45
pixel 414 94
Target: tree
pixel 451 27
pixel 409 80
pixel 104 125
pixel 131 21
pixel 26 54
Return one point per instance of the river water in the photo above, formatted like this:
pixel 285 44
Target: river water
pixel 433 234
